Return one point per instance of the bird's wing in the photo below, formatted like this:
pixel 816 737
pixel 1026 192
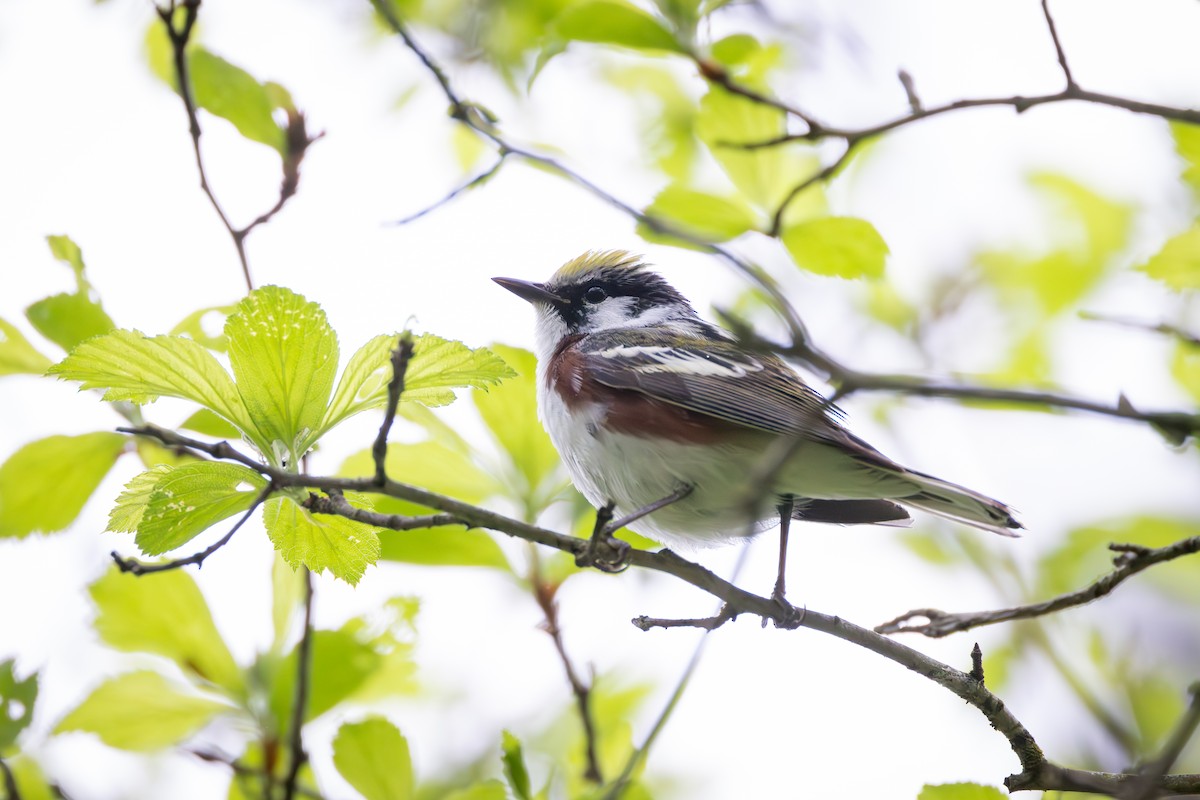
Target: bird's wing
pixel 713 377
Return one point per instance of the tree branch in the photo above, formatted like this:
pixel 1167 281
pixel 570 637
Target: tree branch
pixel 478 180
pixel 140 568
pixel 243 771
pixel 300 706
pixel 1058 48
pixel 1036 771
pixel 1131 560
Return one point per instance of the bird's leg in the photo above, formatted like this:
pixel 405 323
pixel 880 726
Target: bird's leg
pixel 793 617
pixel 604 551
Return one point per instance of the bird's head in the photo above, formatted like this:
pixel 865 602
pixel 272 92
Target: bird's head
pixel 601 291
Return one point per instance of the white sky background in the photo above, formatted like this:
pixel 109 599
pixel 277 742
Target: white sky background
pixel 93 146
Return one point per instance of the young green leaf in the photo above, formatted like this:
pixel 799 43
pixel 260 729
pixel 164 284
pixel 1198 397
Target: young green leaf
pixel 1177 264
pixel 68 319
pixel 1187 144
pixel 488 790
pixel 189 499
pixel 168 617
pixel 367 372
pixel 31 782
pixel 141 711
pixel 515 771
pixel 44 485
pixel 16 704
pixel 344 662
pixel 284 357
pixel 233 94
pixel 845 247
pixel 373 757
pixel 342 546
pixel 132 366
pixel 616 23
pixel 131 503
pixel 208 423
pixel 960 791
pixel 17 355
pixel 709 217
pixel 193 326
pixel 441 364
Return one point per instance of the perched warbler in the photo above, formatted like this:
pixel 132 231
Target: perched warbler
pixel 644 400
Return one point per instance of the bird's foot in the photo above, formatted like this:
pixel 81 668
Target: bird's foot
pixel 606 553
pixel 790 617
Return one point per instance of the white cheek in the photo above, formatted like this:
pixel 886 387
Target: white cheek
pixel 549 332
pixel 614 312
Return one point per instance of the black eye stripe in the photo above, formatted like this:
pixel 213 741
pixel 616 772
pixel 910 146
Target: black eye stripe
pixel 595 295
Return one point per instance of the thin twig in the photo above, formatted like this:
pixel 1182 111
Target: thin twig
pixel 1037 773
pixel 478 180
pixel 1130 561
pixel 544 594
pixel 139 568
pixel 1154 327
pixel 300 705
pixel 400 357
pixel 336 503
pixel 1058 48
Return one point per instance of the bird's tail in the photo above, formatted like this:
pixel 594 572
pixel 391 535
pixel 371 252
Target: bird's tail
pixel 961 504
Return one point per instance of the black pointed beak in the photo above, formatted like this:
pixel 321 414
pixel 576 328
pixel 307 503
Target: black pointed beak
pixel 533 292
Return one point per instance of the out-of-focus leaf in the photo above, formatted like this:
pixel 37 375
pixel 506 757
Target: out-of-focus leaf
pixel 961 791
pixel 193 327
pixel 510 413
pixel 141 711
pixel 1185 368
pixel 667 113
pixel 168 617
pixel 373 758
pixel 132 366
pixel 16 704
pixel 515 771
pixel 929 547
pixel 887 305
pixel 233 94
pixel 343 663
pixel 844 247
pixel 746 58
pixel 209 424
pixel 284 357
pixel 705 216
pixel 1028 363
pixel 17 355
pixel 1084 556
pixel 189 499
pixel 1187 144
pixel 1177 264
pixel 44 485
pixel 287 595
pixel 488 790
pixel 68 319
pixel 32 783
pixel 344 547
pixel 764 175
pixel 1157 705
pixel 998 663
pixel 468 147
pixel 615 23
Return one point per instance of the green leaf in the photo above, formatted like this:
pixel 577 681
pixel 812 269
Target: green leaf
pixel 510 413
pixel 1177 264
pixel 344 547
pixel 705 216
pixel 16 703
pixel 1157 705
pixel 764 175
pixel 188 500
pixel 231 93
pixel 141 711
pixel 31 782
pixel 287 595
pixel 961 791
pixel 192 326
pixel 1185 368
pixel 1187 144
pixel 44 485
pixel 373 758
pixel 488 790
pixel 208 423
pixel 513 760
pixel 131 366
pixel 166 616
pixel 441 364
pixel 368 372
pixel 131 503
pixel 845 247
pixel 284 357
pixel 344 664
pixel 68 319
pixel 616 23
pixel 17 355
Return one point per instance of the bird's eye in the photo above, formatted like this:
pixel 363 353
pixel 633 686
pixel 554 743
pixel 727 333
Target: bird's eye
pixel 595 295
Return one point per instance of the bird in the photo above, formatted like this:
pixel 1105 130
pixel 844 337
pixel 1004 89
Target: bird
pixel 650 405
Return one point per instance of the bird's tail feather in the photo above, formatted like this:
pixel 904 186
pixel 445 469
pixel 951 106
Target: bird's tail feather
pixel 961 504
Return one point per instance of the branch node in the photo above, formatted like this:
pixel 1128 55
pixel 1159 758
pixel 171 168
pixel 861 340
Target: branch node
pixel 976 672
